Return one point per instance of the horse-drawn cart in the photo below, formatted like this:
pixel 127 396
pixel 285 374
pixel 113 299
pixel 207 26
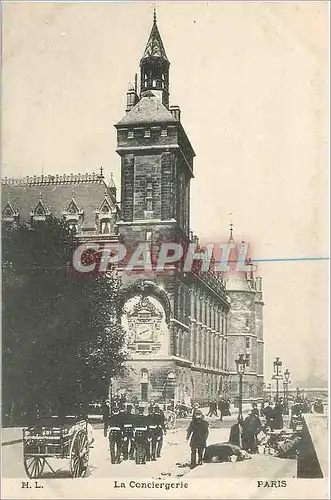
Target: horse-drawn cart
pixel 42 442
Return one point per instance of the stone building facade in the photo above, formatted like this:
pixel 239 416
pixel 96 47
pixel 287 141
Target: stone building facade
pixel 184 330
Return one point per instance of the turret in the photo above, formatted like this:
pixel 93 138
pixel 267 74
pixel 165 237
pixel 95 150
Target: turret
pixel 154 67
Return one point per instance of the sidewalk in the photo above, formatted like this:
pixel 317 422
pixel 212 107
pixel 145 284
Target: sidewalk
pixel 11 435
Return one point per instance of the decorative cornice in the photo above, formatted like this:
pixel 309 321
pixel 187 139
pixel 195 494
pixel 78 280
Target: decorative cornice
pixel 46 180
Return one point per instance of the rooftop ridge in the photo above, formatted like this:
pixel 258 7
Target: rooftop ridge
pixel 56 179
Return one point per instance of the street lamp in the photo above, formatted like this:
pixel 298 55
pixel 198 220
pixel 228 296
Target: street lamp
pixel 241 363
pixel 298 393
pixel 286 381
pixel 277 375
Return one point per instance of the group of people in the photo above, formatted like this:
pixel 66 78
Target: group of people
pixel 132 434
pixel 223 405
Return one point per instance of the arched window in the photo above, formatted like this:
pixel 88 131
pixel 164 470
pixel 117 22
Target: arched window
pixel 144 380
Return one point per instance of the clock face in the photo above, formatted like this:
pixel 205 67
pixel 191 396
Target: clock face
pixel 144 331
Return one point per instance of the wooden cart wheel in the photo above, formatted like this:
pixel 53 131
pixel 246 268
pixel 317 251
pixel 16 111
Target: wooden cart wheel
pixel 34 466
pixel 79 454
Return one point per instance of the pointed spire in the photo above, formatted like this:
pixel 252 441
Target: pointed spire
pixel 231 229
pixel 154 47
pixel 112 182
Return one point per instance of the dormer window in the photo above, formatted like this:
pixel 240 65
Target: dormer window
pixel 147 133
pixel 9 214
pixel 104 217
pixel 40 212
pixel 130 134
pixel 73 215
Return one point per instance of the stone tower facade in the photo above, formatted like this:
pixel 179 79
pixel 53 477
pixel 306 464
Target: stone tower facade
pixel 245 329
pixel 175 322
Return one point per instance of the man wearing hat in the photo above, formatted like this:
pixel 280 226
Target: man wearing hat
pixel 198 432
pixel 115 437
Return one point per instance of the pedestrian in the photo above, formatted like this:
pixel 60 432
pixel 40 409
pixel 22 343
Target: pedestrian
pixel 278 416
pixel 222 408
pixel 269 414
pixel 127 432
pixel 210 410
pixel 140 436
pixel 105 416
pixel 115 437
pixel 151 406
pixel 197 432
pixel 236 430
pixel 262 408
pixel 150 432
pixel 195 409
pixel 159 420
pixel 251 428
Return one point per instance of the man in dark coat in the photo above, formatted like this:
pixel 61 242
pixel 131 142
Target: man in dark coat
pixel 236 433
pixel 251 428
pixel 269 414
pixel 278 416
pixel 141 443
pixel 198 432
pixel 115 437
pixel 128 420
pixel 105 416
pixel 222 408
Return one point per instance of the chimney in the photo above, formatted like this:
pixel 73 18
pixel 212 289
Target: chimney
pixel 258 284
pixel 175 111
pixel 131 97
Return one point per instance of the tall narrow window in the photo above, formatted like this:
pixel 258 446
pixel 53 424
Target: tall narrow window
pixel 144 385
pixel 147 133
pixel 149 195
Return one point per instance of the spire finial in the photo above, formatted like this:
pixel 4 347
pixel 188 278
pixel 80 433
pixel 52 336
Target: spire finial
pixel 231 226
pixel 154 14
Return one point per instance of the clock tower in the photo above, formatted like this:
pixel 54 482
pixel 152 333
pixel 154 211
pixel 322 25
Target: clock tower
pixel 156 156
pixel 156 170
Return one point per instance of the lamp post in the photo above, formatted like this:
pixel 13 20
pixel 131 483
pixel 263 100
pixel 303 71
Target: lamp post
pixel 277 375
pixel 298 393
pixel 286 381
pixel 241 363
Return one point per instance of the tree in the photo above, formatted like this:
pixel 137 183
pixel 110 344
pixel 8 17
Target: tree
pixel 61 338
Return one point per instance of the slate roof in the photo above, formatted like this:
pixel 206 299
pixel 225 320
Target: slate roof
pixel 148 110
pixel 88 195
pixel 155 47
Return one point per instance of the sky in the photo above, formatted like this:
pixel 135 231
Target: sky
pixel 251 79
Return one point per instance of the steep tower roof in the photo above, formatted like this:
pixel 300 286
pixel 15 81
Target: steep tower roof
pixel 148 110
pixel 154 47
